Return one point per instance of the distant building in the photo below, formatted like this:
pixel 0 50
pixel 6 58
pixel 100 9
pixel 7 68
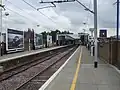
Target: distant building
pixel 116 37
pixel 65 39
pixel 83 38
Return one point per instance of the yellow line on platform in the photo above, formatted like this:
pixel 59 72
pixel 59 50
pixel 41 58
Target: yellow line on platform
pixel 73 85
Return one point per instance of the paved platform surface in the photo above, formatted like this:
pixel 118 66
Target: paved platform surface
pixel 102 78
pixel 25 53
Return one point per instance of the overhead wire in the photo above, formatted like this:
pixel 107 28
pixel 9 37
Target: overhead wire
pixel 21 10
pixel 24 11
pixel 38 11
pixel 17 13
pixel 53 8
pixel 87 19
pixel 88 8
pixel 99 17
pixel 56 13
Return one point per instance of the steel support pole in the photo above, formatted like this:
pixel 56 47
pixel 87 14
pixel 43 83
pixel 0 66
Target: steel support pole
pixel 1 28
pixel 95 33
pixel 117 32
pixel 117 19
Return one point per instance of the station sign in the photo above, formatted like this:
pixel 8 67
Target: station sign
pixel 103 33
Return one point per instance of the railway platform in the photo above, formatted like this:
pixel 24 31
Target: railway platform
pixel 78 73
pixel 8 57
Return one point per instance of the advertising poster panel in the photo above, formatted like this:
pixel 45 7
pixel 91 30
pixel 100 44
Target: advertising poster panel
pixel 49 40
pixel 14 40
pixel 38 40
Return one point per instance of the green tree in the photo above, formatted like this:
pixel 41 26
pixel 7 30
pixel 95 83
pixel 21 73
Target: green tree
pixel 53 34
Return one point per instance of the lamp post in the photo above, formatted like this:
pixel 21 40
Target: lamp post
pixel 95 33
pixel 84 27
pixel 117 27
pixel 95 27
pixel 117 19
pixel 6 24
pixel 34 40
pixel 1 28
pixel 6 14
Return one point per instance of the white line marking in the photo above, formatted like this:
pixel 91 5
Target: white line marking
pixel 92 64
pixel 112 66
pixel 115 68
pixel 43 87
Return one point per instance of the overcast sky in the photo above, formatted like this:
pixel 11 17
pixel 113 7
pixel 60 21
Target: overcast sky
pixel 66 16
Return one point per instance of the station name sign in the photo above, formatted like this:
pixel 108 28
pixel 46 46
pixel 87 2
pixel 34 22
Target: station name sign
pixel 103 33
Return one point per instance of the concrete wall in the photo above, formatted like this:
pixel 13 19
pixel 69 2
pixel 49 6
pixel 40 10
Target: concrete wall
pixel 118 58
pixel 109 52
pixel 113 52
pixel 103 51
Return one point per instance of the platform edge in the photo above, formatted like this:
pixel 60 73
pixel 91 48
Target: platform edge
pixel 31 53
pixel 44 86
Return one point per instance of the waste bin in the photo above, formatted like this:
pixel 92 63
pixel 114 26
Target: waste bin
pixel 93 50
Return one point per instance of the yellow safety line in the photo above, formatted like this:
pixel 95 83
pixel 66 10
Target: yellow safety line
pixel 73 85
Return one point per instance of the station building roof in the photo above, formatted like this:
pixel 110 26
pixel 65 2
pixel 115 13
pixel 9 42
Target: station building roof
pixel 70 36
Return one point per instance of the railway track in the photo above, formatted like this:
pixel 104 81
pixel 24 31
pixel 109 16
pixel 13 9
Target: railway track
pixel 24 66
pixel 21 79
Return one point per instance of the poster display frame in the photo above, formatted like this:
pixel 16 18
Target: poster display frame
pixel 14 49
pixel 49 40
pixel 103 31
pixel 38 46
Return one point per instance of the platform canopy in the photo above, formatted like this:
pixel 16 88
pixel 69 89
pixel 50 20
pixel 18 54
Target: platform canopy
pixel 69 36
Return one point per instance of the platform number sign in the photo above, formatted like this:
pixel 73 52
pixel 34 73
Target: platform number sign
pixel 103 33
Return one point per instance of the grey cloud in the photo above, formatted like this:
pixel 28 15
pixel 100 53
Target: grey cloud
pixel 76 18
pixel 75 13
pixel 106 12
